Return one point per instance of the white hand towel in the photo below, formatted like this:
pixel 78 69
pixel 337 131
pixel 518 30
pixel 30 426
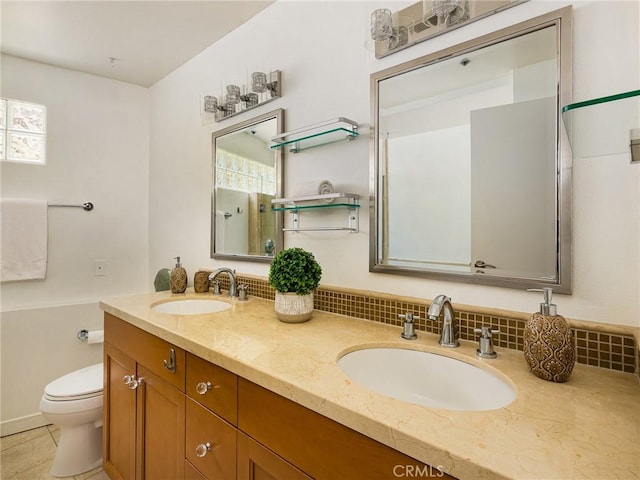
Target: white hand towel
pixel 23 251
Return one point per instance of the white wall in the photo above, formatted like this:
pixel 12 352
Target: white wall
pixel 97 151
pixel 319 46
pixel 38 346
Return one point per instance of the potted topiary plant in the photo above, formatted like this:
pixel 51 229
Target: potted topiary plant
pixel 294 273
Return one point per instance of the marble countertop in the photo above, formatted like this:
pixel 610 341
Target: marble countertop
pixel 588 427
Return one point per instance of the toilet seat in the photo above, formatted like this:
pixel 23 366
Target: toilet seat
pixel 80 384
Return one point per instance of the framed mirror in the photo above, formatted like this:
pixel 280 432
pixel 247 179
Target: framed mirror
pixel 470 169
pixel 247 175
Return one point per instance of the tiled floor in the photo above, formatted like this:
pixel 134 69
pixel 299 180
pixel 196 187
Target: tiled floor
pixel 29 455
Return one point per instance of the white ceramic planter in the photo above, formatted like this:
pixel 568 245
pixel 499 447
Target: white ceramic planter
pixel 294 308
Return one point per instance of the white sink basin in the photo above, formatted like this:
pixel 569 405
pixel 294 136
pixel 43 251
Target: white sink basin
pixel 427 379
pixel 190 306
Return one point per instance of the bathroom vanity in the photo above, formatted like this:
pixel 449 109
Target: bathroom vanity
pixel 238 394
pixel 172 414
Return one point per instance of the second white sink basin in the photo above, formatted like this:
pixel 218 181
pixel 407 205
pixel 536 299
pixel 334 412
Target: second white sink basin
pixel 427 379
pixel 190 306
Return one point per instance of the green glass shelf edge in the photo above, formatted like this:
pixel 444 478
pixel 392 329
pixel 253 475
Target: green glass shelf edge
pixel 307 207
pixel 596 101
pixel 350 133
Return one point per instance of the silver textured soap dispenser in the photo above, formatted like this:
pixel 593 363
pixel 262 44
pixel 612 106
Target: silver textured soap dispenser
pixel 548 342
pixel 178 278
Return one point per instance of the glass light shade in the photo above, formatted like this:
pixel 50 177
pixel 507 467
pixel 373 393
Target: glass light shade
pixel 251 99
pixel 381 24
pixel 444 7
pixel 210 104
pixel 258 82
pixel 233 94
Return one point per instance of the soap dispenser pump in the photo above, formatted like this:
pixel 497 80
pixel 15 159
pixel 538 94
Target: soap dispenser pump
pixel 548 342
pixel 178 278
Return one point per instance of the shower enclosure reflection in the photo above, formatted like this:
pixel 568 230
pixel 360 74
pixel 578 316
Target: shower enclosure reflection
pixel 247 176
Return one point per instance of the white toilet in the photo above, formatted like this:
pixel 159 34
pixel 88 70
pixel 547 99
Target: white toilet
pixel 74 403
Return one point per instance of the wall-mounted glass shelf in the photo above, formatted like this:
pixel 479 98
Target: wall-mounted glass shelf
pixel 295 205
pixel 603 126
pixel 331 131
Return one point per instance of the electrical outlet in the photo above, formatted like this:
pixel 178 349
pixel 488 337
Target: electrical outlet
pixel 99 268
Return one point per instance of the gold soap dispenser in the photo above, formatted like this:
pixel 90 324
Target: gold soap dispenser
pixel 178 278
pixel 548 342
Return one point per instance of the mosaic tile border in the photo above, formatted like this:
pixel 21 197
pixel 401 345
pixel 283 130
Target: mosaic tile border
pixel 610 350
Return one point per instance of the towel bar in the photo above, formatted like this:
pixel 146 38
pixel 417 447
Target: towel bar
pixel 88 206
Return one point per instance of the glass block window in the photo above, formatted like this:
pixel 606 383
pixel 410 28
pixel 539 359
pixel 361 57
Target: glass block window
pixel 244 174
pixel 22 131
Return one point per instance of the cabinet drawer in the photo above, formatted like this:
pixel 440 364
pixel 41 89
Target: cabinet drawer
pixel 210 443
pixel 152 352
pixel 324 449
pixel 213 386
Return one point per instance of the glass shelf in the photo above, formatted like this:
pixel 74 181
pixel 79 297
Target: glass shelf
pixel 602 126
pixel 295 205
pixel 324 133
pixel 349 200
pixel 287 208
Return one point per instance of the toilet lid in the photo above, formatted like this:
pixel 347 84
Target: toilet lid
pixel 82 382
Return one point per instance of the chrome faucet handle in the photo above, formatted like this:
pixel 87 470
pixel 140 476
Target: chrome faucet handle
pixel 216 288
pixel 232 280
pixel 485 342
pixel 409 332
pixel 242 292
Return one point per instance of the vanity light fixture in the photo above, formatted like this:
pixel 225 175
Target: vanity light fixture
pixel 264 88
pixel 426 19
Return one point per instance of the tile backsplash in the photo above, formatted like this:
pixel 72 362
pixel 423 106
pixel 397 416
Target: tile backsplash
pixel 599 347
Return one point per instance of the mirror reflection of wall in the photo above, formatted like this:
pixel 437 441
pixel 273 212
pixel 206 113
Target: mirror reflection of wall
pixel 247 176
pixel 467 161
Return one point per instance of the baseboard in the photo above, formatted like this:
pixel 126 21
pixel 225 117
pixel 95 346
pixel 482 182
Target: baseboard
pixel 22 424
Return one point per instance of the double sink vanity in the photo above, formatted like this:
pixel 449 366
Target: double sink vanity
pixel 218 388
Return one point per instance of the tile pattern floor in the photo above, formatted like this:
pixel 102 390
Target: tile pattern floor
pixel 29 456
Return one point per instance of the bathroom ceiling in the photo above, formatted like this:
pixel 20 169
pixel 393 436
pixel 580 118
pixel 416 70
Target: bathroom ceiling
pixel 146 39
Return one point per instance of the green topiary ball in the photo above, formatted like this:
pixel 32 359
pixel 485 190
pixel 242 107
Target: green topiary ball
pixel 294 270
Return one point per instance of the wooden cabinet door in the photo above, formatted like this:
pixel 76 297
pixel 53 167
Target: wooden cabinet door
pixel 119 432
pixel 210 443
pixel 160 428
pixel 256 462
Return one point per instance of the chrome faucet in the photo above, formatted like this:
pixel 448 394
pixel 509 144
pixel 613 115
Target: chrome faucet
pixel 232 279
pixel 449 334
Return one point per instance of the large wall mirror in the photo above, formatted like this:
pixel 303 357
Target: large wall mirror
pixel 471 173
pixel 247 175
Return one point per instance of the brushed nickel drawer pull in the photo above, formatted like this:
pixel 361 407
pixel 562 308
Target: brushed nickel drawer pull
pixel 171 364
